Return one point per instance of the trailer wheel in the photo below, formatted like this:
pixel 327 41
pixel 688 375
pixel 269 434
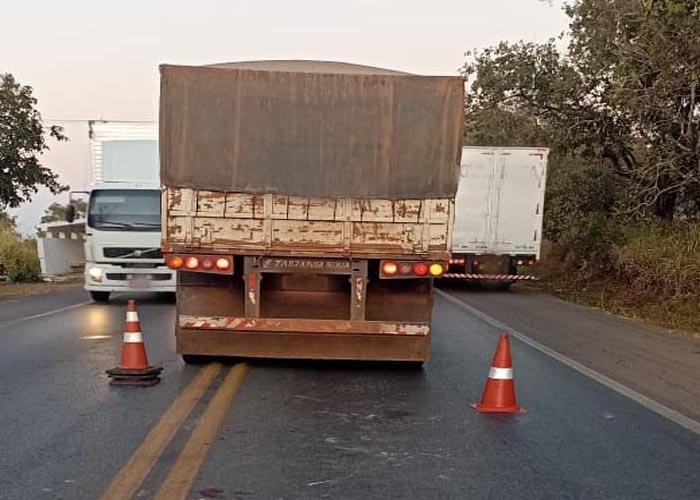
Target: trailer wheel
pixel 195 359
pixel 100 296
pixel 413 365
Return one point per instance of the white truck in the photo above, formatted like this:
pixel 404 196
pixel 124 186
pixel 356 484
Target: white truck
pixel 123 222
pixel 498 214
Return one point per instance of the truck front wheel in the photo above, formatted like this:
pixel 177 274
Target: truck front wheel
pixel 100 296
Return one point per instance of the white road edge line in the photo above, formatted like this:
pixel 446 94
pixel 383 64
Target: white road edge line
pixel 643 400
pixel 48 313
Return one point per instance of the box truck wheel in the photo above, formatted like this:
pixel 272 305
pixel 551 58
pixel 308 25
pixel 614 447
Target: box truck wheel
pixel 100 296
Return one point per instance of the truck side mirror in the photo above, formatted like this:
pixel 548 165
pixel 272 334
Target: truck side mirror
pixel 70 213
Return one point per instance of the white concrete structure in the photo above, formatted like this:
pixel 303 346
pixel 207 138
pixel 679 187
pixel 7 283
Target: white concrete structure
pixel 61 247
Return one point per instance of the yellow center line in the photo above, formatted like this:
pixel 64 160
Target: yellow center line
pixel 183 474
pixel 130 477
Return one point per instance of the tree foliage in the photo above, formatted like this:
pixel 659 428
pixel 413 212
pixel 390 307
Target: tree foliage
pixel 22 141
pixel 624 97
pixel 57 211
pixel 7 221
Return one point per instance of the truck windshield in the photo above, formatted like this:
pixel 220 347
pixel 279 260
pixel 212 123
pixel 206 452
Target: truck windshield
pixel 124 210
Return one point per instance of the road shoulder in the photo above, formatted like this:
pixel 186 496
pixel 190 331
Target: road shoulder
pixel 652 361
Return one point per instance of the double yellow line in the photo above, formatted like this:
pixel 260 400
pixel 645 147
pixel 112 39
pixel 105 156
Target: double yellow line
pixel 183 474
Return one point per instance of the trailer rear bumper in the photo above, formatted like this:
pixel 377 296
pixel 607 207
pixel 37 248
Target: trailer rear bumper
pixel 303 339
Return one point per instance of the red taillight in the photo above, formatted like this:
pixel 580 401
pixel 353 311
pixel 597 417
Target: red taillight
pixel 390 268
pixel 207 263
pixel 420 269
pixel 175 262
pixel 223 264
pixel 191 262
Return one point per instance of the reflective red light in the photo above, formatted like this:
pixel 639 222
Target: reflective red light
pixel 207 263
pixel 420 269
pixel 405 268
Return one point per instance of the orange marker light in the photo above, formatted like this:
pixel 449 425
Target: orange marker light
pixel 390 268
pixel 175 262
pixel 436 269
pixel 223 264
pixel 191 262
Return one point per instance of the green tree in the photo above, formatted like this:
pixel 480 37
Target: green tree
pixel 57 211
pixel 625 96
pixel 22 141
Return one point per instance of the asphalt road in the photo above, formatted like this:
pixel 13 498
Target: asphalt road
pixel 298 430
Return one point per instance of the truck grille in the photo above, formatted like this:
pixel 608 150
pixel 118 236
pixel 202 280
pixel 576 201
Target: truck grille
pixel 132 253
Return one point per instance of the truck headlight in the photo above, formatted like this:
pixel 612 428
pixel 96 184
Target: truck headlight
pixel 95 274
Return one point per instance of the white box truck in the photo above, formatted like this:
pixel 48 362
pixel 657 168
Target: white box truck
pixel 123 221
pixel 498 214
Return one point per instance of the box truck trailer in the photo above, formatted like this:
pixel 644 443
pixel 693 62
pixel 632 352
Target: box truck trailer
pixel 498 214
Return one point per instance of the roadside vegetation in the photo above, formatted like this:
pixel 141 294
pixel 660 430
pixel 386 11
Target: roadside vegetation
pixel 23 139
pixel 617 100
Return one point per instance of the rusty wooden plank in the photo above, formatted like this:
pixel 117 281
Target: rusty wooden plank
pixel 234 222
pixel 322 209
pixel 179 229
pixel 180 201
pixel 241 206
pixel 229 232
pixel 407 210
pixel 388 235
pixel 298 208
pixel 280 207
pixel 304 233
pixel 210 203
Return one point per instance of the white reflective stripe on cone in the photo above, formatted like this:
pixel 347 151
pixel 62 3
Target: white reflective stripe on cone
pixel 501 373
pixel 132 316
pixel 132 337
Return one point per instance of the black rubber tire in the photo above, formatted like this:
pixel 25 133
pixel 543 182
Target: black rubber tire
pixel 195 359
pixel 100 296
pixel 413 365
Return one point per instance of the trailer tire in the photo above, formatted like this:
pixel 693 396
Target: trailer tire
pixel 413 365
pixel 195 359
pixel 99 296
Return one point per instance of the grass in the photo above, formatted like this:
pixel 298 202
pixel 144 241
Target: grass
pixel 654 276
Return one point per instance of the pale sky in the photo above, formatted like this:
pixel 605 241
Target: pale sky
pixel 92 59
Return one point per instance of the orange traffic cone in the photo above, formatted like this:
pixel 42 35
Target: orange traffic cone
pixel 133 367
pixel 499 392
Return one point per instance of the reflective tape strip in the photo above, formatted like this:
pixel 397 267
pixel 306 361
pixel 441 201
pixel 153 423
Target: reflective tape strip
pixel 132 316
pixel 501 373
pixel 132 337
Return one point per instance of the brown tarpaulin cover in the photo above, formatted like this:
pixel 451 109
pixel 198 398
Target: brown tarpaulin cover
pixel 310 129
